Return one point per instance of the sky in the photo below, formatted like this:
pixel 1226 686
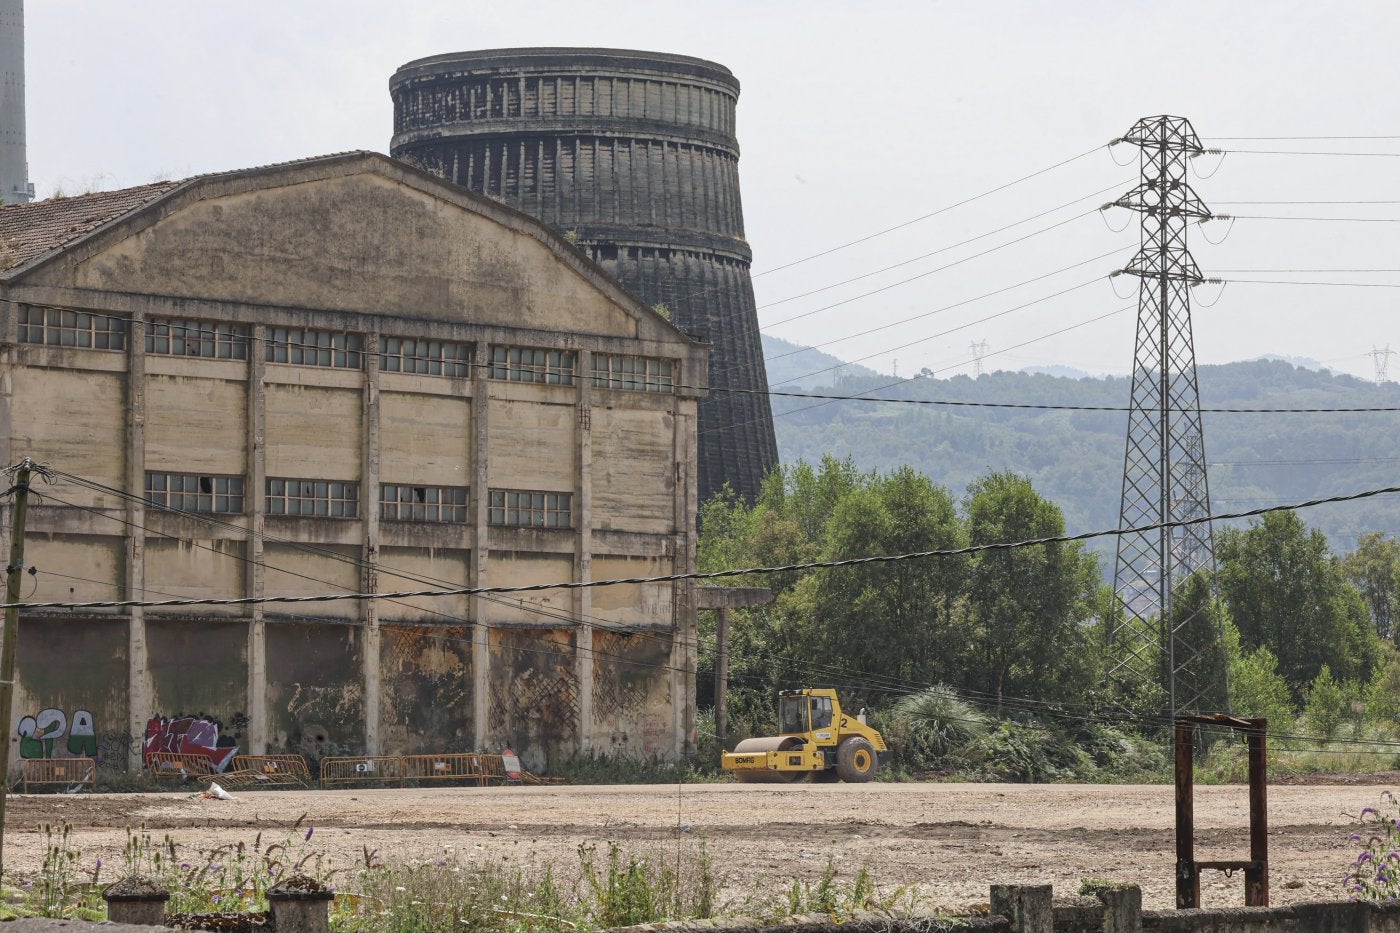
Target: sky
pixel 854 118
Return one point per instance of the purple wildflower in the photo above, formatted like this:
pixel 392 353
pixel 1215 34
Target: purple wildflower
pixel 309 831
pixel 1354 837
pixel 216 898
pixel 1363 858
pixel 185 866
pixel 1371 810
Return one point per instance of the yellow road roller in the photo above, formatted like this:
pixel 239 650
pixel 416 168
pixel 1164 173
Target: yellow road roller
pixel 819 741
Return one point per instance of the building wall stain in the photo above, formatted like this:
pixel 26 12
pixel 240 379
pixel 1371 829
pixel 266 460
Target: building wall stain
pixel 534 696
pixel 631 694
pixel 315 693
pixel 425 689
pixel 71 696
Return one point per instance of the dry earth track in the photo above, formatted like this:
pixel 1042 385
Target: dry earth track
pixel 949 840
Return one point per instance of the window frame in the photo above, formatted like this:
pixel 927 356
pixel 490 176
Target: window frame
pixel 506 509
pixel 432 503
pixel 424 356
pixel 306 346
pixel 312 498
pixel 539 365
pixel 223 340
pixel 628 372
pixel 203 488
pixel 69 328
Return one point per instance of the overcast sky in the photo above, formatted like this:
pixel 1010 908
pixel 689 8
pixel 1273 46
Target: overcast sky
pixel 854 117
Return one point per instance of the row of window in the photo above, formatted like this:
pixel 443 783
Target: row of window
pixel 335 499
pixel 306 347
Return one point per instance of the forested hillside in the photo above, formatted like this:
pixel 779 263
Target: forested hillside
pixel 1075 458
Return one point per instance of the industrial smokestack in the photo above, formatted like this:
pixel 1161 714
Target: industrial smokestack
pixel 14 166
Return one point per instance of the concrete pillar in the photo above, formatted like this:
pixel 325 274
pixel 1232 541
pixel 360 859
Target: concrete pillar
pixel 139 701
pixel 1027 906
pixel 683 558
pixel 136 902
pixel 480 498
pixel 369 517
pixel 255 506
pixel 300 911
pixel 1122 911
pixel 583 552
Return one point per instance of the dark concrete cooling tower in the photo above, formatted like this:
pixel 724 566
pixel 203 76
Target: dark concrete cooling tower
pixel 633 155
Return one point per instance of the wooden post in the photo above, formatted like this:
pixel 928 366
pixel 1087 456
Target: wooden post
pixel 1256 877
pixel 1188 881
pixel 10 643
pixel 722 677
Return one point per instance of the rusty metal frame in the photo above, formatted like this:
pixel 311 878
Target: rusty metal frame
pixel 1256 868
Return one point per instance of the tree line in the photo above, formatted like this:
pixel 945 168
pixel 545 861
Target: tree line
pixel 1015 643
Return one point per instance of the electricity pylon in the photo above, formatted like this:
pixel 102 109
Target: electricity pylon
pixel 1164 464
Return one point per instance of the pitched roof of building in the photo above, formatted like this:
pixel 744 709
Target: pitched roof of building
pixel 31 230
pixel 28 231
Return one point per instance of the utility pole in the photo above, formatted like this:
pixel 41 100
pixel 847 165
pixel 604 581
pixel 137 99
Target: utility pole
pixel 20 475
pixel 1164 463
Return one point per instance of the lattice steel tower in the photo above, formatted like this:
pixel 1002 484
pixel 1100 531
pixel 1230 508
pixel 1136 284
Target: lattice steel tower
pixel 633 156
pixel 1164 466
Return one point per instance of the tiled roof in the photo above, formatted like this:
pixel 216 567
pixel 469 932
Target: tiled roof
pixel 28 231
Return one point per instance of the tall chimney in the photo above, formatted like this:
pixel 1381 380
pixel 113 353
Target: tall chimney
pixel 14 166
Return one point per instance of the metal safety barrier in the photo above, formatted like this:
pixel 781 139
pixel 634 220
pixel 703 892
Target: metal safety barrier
pixel 66 771
pixel 274 769
pixel 178 765
pixel 381 769
pixel 459 767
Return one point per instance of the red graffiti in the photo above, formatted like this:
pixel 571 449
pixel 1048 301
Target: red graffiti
pixel 187 736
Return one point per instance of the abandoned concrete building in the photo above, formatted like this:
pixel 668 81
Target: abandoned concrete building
pixel 342 375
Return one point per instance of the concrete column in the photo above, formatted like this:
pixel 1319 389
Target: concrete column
pixel 139 691
pixel 1027 906
pixel 683 627
pixel 1122 909
pixel 480 474
pixel 583 552
pixel 255 507
pixel 369 516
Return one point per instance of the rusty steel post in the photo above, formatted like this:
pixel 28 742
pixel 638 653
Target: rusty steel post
pixel 1188 880
pixel 1256 876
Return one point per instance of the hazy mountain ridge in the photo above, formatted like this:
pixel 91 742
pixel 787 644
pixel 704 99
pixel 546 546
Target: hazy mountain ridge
pixel 1076 457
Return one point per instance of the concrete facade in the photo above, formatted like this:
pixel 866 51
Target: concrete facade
pixel 634 156
pixel 347 376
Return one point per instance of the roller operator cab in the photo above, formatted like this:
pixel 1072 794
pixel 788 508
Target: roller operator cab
pixel 818 740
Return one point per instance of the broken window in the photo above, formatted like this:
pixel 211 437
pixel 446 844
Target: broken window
pixel 207 339
pixel 190 492
pixel 314 347
pixel 532 364
pixel 58 327
pixel 428 357
pixel 528 509
pixel 638 373
pixel 319 498
pixel 403 503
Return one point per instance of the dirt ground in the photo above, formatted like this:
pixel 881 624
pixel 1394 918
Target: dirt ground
pixel 949 840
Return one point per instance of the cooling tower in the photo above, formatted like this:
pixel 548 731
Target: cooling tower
pixel 633 156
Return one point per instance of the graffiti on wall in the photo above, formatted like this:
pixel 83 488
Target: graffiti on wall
pixel 40 734
pixel 191 735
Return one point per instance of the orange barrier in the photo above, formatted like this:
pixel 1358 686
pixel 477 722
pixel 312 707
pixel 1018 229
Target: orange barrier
pixel 177 765
pixel 459 767
pixel 493 768
pixel 381 769
pixel 275 769
pixel 66 771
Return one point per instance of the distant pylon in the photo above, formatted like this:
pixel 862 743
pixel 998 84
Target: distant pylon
pixel 1164 464
pixel 1382 361
pixel 979 350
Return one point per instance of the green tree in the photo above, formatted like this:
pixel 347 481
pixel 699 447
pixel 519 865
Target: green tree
pixel 1373 568
pixel 1327 704
pixel 1026 605
pixel 1199 653
pixel 1256 689
pixel 894 621
pixel 1285 590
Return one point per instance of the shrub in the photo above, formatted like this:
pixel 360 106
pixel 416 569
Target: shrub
pixel 929 727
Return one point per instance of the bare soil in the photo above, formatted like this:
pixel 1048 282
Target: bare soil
pixel 950 841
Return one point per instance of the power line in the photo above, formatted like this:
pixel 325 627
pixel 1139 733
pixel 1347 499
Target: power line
pixel 718 574
pixel 959 304
pixel 941 210
pixel 944 249
pixel 1306 152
